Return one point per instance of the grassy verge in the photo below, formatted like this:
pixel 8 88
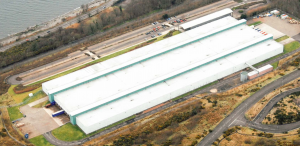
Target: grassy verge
pixel 282 38
pixel 275 65
pixel 40 141
pixel 40 105
pixel 94 62
pixel 255 23
pixel 287 48
pixel 191 92
pixel 40 94
pixel 69 132
pixel 291 47
pixel 14 113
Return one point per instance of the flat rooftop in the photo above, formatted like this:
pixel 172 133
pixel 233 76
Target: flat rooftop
pixel 112 86
pixel 206 18
pixel 136 102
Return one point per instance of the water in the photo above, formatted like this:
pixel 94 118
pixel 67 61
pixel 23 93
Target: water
pixel 17 15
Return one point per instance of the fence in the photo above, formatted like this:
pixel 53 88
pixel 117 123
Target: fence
pixel 24 102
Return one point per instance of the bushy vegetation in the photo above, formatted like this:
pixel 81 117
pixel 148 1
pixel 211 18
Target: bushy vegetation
pixel 163 129
pixel 22 89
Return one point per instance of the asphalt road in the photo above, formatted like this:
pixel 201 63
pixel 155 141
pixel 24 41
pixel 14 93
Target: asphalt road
pixel 124 41
pixel 63 25
pixel 237 116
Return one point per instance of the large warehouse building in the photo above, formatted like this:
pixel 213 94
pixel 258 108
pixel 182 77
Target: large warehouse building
pixel 107 92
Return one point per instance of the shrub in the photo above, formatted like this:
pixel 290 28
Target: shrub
pixel 194 143
pixel 255 89
pixel 269 135
pixel 241 11
pixel 3 130
pixel 228 138
pixel 260 134
pixel 165 16
pixel 22 89
pixel 239 95
pixel 247 141
pixel 282 74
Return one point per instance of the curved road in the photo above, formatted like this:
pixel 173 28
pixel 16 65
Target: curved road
pixel 237 116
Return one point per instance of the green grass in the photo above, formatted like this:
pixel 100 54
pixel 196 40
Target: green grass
pixel 287 48
pixel 40 105
pixel 38 95
pixel 176 32
pixel 69 132
pixel 191 92
pixel 14 113
pixel 95 61
pixel 255 23
pixel 275 64
pixel 40 141
pixel 291 46
pixel 282 38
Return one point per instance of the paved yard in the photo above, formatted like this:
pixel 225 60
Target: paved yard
pixel 297 37
pixel 38 121
pixel 270 30
pixel 281 25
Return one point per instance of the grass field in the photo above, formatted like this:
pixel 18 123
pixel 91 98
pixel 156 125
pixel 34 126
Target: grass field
pixel 14 113
pixel 20 97
pixel 255 23
pixel 287 48
pixel 69 132
pixel 40 141
pixel 96 61
pixel 282 38
pixel 291 47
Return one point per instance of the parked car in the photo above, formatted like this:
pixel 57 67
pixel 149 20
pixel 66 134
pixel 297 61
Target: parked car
pixel 159 34
pixel 153 36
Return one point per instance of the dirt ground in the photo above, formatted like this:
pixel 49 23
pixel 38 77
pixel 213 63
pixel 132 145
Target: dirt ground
pixel 37 121
pixel 251 139
pixel 279 24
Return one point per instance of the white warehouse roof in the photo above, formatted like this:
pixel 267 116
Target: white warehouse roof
pixel 206 18
pixel 203 55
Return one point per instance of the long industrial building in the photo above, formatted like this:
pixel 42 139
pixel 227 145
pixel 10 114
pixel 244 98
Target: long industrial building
pixel 107 92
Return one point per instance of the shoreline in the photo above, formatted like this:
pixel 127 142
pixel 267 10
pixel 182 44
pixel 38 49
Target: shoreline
pixel 31 30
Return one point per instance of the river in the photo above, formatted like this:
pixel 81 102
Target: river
pixel 17 15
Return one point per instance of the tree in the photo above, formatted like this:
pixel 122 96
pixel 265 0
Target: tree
pixel 243 16
pixel 165 16
pixel 120 7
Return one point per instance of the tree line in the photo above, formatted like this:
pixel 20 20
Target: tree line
pixel 103 21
